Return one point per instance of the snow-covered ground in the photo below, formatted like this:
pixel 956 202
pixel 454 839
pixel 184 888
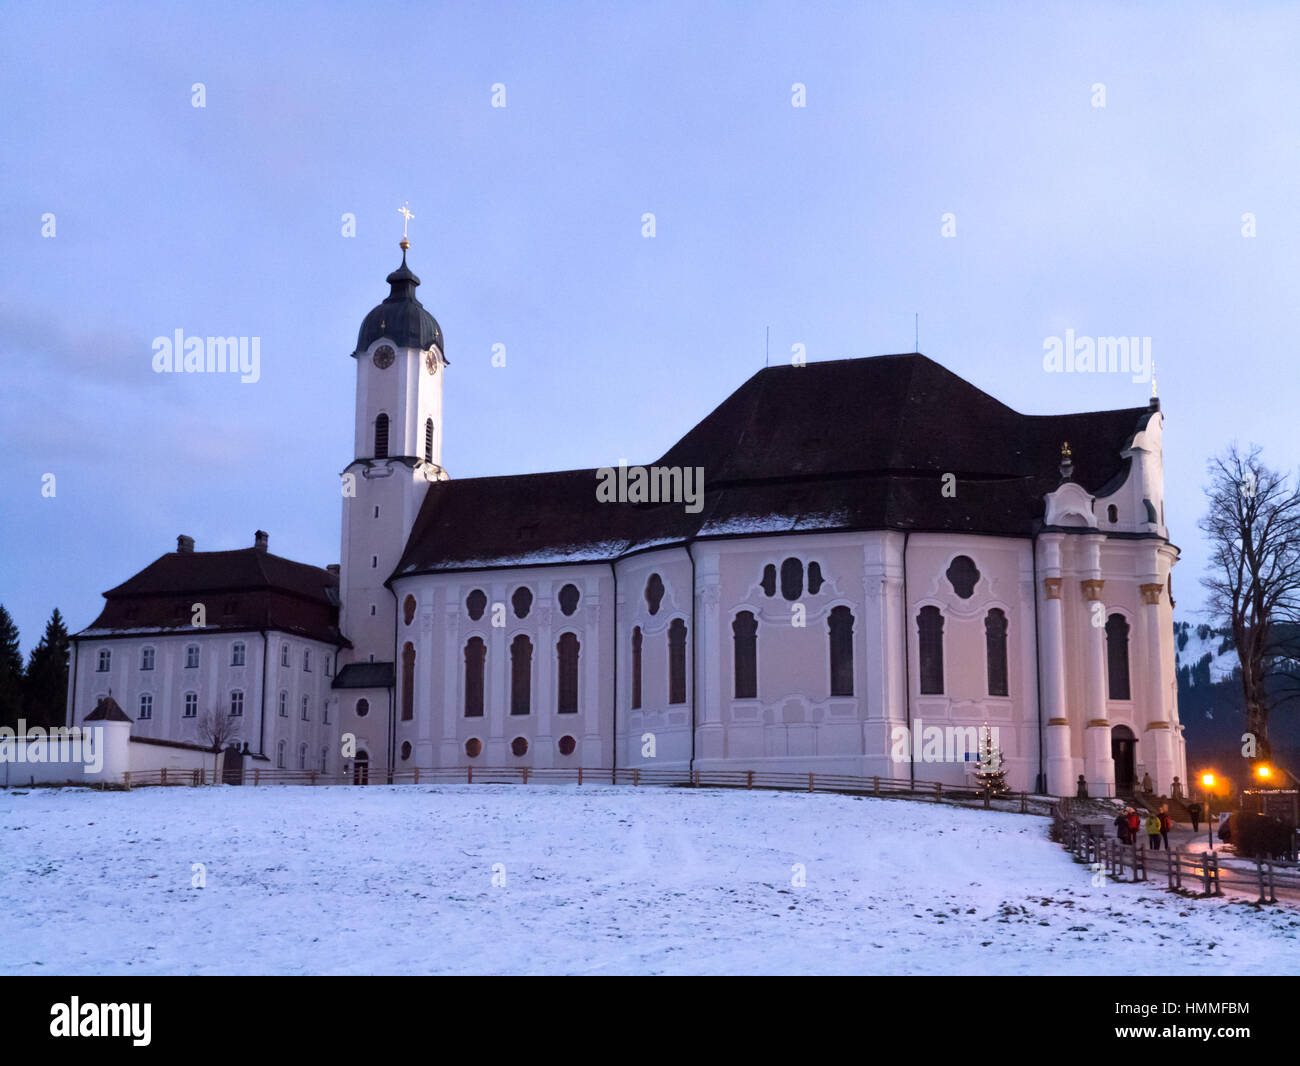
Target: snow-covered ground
pixel 596 880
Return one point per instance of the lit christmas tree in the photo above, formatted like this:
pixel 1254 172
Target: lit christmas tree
pixel 990 770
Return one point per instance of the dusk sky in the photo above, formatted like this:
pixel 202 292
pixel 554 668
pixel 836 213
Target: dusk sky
pixel 824 223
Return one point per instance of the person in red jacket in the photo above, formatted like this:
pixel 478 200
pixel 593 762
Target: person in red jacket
pixel 1134 822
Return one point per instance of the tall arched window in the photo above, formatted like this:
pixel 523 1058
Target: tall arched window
pixel 995 651
pixel 840 625
pixel 408 682
pixel 475 655
pixel 745 652
pixel 1117 657
pixel 677 661
pixel 279 756
pixel 566 651
pixel 636 668
pixel 428 440
pixel 929 624
pixel 521 674
pixel 302 756
pixel 475 604
pixel 381 437
pixel 792 579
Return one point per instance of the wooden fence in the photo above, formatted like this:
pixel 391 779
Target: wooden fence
pixel 1182 870
pixel 935 791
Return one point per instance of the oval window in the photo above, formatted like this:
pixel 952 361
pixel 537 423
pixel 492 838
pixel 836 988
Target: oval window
pixel 567 745
pixel 654 593
pixel 476 604
pixel 406 750
pixel 519 747
pixel 363 708
pixel 522 601
pixel 569 599
pixel 473 747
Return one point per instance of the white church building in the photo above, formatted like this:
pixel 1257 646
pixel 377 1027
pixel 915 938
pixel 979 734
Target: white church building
pixel 879 555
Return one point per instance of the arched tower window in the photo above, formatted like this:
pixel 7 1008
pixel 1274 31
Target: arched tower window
pixel 566 652
pixel 381 437
pixel 677 661
pixel 1117 657
pixel 745 652
pixel 841 642
pixel 521 673
pixel 408 682
pixel 636 668
pixel 995 651
pixel 792 579
pixel 475 654
pixel 428 440
pixel 929 625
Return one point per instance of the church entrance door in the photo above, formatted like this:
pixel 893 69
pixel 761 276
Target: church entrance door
pixel 1123 750
pixel 361 768
pixel 232 766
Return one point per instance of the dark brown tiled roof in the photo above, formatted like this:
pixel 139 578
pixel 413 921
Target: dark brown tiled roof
pixel 241 590
pixel 107 710
pixel 853 444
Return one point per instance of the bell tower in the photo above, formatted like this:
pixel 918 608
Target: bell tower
pixel 397 452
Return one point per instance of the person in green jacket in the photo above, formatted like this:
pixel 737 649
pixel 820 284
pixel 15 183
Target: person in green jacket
pixel 1153 830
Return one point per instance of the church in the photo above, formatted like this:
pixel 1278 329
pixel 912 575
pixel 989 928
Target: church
pixel 840 555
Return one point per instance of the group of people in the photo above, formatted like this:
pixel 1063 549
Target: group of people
pixel 1129 825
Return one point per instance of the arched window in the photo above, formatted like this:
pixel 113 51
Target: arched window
pixel 408 682
pixel 568 600
pixel 302 756
pixel 284 705
pixel 279 755
pixel 677 661
pixel 840 624
pixel 475 654
pixel 306 709
pixel 566 651
pixel 636 668
pixel 1117 657
pixel 428 440
pixel 521 674
pixel 408 610
pixel 995 651
pixel 654 593
pixel 522 602
pixel 745 654
pixel 324 760
pixel 475 604
pixel 1112 513
pixel 929 624
pixel 363 708
pixel 769 580
pixel 381 437
pixel 792 579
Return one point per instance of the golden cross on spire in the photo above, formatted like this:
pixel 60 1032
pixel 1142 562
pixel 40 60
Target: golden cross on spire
pixel 405 212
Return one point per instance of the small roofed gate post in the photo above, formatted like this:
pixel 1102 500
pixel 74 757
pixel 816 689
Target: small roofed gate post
pixel 232 769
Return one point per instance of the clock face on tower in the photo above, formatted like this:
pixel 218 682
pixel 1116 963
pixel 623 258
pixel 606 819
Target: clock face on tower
pixel 430 362
pixel 384 356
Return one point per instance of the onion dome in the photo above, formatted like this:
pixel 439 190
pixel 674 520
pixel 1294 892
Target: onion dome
pixel 401 318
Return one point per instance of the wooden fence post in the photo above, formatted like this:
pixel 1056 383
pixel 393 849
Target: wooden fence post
pixel 417 775
pixel 579 775
pixel 469 777
pixel 1024 803
pixel 695 778
pixel 313 777
pixel 525 770
pixel 938 792
pixel 749 778
pixel 164 775
pixel 257 776
pixel 636 775
pixel 1205 870
pixel 811 786
pixel 875 786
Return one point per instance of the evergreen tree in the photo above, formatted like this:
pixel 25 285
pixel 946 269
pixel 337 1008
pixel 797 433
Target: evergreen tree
pixel 990 771
pixel 11 671
pixel 45 690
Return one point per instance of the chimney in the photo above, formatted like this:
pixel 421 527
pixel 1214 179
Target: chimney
pixel 185 545
pixel 260 539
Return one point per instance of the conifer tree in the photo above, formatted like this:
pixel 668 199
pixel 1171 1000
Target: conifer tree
pixel 990 771
pixel 11 671
pixel 45 688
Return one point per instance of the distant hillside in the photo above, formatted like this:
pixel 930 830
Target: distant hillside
pixel 1210 703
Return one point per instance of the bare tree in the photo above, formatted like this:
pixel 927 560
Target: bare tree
pixel 217 729
pixel 1253 525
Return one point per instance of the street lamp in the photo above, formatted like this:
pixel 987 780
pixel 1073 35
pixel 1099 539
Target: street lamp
pixel 1208 781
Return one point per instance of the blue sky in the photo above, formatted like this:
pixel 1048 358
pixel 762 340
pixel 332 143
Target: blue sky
pixel 822 223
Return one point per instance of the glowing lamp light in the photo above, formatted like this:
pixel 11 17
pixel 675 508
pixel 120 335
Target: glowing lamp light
pixel 1207 780
pixel 1265 772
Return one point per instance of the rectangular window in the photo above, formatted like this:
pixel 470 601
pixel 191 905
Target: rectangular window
pixel 146 659
pixel 306 717
pixel 236 704
pixel 284 654
pixel 306 659
pixel 105 660
pixel 237 654
pixel 191 705
pixel 146 705
pixel 191 657
pixel 284 705
pixel 329 666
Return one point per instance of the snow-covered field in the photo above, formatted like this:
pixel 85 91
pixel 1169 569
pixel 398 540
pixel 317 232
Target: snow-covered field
pixel 596 880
